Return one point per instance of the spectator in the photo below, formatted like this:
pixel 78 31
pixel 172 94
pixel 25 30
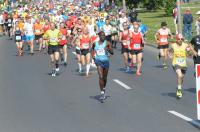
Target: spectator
pixel 175 17
pixel 187 22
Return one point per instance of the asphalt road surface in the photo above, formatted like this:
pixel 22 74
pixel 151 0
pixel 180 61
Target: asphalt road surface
pixel 33 101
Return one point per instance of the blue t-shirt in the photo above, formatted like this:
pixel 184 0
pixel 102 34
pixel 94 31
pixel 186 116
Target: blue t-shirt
pixel 100 24
pixel 143 28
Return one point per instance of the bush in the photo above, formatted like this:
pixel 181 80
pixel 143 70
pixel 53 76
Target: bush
pixel 169 6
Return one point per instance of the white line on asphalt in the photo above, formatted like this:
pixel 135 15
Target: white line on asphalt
pixel 196 123
pixel 122 84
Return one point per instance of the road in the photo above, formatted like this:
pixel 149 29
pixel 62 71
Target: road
pixel 33 101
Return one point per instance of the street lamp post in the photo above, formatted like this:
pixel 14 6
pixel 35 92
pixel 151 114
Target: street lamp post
pixel 124 5
pixel 178 3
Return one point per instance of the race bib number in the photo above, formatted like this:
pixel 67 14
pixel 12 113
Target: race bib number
pixel 86 45
pixel 198 52
pixel 9 25
pixel 164 40
pixel 126 42
pixel 18 37
pixel 53 40
pixel 180 61
pixel 137 46
pixel 100 52
pixel 37 31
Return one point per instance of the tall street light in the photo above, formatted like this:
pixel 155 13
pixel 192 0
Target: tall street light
pixel 178 3
pixel 124 5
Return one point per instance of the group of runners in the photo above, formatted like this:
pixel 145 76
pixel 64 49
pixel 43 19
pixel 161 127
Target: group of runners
pixel 57 26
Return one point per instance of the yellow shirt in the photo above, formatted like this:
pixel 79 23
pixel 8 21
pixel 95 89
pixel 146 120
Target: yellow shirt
pixel 179 55
pixel 53 36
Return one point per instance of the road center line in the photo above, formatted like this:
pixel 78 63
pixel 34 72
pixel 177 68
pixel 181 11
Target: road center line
pixel 196 123
pixel 122 84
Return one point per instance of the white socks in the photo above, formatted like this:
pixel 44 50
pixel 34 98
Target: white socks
pixel 87 68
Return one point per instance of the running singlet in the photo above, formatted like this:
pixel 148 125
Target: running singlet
pixel 46 28
pixel 180 54
pixel 28 29
pixel 163 36
pixel 100 52
pixel 53 36
pixel 136 41
pixel 125 40
pixel 38 29
pixel 85 42
pixel 18 35
pixel 63 40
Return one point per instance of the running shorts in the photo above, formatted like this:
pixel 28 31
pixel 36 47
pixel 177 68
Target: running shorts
pixel 135 52
pixel 163 46
pixel 52 49
pixel 124 50
pixel 29 37
pixel 37 37
pixel 183 69
pixel 78 51
pixel 104 64
pixel 85 52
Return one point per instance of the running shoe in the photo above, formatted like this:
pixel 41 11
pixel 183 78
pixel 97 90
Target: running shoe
pixel 53 74
pixel 179 93
pixel 102 96
pixel 57 69
pixel 165 66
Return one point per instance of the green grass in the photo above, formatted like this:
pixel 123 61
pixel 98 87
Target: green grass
pixel 153 20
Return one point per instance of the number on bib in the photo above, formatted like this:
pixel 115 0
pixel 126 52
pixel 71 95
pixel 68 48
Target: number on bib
pixel 53 39
pixel 164 40
pixel 86 45
pixel 137 46
pixel 180 61
pixel 100 52
pixel 18 38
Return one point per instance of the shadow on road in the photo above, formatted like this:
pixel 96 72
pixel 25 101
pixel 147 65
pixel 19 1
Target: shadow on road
pixel 191 90
pixel 97 98
pixel 173 95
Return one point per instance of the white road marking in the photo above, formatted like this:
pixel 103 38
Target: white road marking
pixel 196 123
pixel 122 84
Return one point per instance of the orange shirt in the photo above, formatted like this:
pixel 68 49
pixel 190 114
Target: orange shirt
pixel 38 28
pixel 21 25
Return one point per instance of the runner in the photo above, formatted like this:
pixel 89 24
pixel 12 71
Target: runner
pixel 125 40
pixel 114 23
pixel 161 38
pixel 136 48
pixel 101 49
pixel 85 45
pixel 38 30
pixel 107 28
pixel 76 43
pixel 53 35
pixel 29 32
pixel 179 50
pixel 18 40
pixel 9 26
pixel 63 44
